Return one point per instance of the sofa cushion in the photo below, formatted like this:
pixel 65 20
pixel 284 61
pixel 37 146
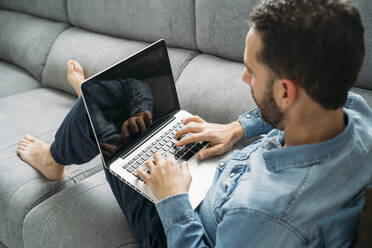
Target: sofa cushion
pixel 26 40
pixel 37 112
pixel 143 20
pixel 88 209
pixel 56 9
pixel 213 89
pixel 96 52
pixel 15 80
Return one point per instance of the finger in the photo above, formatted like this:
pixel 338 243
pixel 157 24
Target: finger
pixel 106 153
pixel 124 129
pixel 148 118
pixel 170 160
pixel 124 133
pixel 143 175
pixel 133 125
pixel 194 118
pixel 150 165
pixel 191 139
pixel 211 151
pixel 141 124
pixel 109 147
pixel 190 128
pixel 158 159
pixel 184 165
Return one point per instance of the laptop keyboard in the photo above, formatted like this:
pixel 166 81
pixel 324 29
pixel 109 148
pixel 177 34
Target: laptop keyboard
pixel 165 145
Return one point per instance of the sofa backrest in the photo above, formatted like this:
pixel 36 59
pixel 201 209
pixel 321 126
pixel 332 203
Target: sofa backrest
pixel 55 10
pixel 365 75
pixel 25 40
pixel 216 27
pixel 143 20
pixel 221 27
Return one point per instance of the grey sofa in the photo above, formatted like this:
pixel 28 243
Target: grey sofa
pixel 37 37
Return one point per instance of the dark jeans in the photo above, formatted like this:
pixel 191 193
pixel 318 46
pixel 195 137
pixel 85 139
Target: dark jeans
pixel 75 144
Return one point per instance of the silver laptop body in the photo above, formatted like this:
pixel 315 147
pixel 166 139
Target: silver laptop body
pixel 139 83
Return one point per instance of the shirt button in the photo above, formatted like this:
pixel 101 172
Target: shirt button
pixel 232 174
pixel 222 164
pixel 248 116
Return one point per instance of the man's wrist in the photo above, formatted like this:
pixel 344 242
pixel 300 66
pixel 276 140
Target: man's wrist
pixel 237 131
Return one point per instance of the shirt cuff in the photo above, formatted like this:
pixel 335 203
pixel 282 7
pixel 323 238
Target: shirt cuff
pixel 253 125
pixel 175 209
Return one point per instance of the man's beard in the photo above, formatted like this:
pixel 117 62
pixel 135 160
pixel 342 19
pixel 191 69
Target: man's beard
pixel 270 112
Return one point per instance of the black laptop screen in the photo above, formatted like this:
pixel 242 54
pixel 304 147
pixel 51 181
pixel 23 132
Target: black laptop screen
pixel 130 99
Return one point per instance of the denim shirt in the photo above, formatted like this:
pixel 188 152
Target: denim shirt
pixel 269 196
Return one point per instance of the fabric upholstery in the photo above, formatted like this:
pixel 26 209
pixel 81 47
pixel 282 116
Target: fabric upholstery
pixel 26 40
pixel 365 75
pixel 88 209
pixel 143 20
pixel 221 27
pixel 213 89
pixel 21 187
pixel 15 80
pixel 96 52
pixel 56 9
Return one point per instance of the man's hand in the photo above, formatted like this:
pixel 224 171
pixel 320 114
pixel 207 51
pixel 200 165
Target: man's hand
pixel 107 149
pixel 222 137
pixel 139 122
pixel 166 178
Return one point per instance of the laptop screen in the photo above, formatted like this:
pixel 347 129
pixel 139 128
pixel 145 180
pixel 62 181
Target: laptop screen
pixel 130 99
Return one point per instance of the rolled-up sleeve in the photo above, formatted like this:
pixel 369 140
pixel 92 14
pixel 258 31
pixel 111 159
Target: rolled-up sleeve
pixel 253 124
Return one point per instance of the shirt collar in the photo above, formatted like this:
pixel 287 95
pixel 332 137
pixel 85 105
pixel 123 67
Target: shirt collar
pixel 278 158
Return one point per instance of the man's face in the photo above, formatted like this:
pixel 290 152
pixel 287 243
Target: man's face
pixel 259 78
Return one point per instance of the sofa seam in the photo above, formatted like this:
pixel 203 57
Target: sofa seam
pixel 55 189
pixel 185 63
pixel 47 55
pixel 67 12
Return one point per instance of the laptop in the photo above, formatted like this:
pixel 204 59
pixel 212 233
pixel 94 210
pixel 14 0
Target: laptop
pixel 134 112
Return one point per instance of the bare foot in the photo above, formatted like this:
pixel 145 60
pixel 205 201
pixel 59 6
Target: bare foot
pixel 75 75
pixel 37 154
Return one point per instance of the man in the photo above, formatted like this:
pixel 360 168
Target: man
pixel 301 185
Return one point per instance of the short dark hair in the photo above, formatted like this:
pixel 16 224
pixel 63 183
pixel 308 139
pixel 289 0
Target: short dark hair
pixel 318 44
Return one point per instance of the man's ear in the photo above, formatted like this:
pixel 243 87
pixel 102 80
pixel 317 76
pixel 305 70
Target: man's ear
pixel 285 92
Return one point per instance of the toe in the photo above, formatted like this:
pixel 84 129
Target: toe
pixel 78 67
pixel 29 138
pixel 20 152
pixel 22 145
pixel 25 142
pixel 70 66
